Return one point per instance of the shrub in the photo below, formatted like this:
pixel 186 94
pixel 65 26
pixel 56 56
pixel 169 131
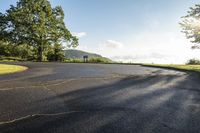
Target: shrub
pixel 99 60
pixel 74 60
pixel 193 62
pixel 10 58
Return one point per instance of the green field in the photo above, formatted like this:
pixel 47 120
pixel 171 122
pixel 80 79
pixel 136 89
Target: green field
pixel 5 69
pixel 195 68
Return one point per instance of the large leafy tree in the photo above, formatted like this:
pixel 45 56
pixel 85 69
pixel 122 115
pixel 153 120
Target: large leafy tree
pixel 36 23
pixel 64 37
pixel 191 25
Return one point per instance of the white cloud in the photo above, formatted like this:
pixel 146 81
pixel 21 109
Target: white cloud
pixel 83 48
pixel 106 49
pixel 141 58
pixel 150 47
pixel 113 44
pixel 110 48
pixel 79 34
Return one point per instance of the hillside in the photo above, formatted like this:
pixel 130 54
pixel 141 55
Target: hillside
pixel 78 54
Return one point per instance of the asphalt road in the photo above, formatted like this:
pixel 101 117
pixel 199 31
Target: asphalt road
pixel 92 98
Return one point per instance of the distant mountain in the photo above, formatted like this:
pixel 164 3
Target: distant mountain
pixel 78 54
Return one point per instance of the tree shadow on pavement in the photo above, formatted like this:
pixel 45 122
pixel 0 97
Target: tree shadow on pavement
pixel 139 104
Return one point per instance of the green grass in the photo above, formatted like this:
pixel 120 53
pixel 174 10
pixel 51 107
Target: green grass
pixel 5 69
pixel 195 68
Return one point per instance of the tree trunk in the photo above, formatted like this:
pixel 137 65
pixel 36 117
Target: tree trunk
pixel 40 53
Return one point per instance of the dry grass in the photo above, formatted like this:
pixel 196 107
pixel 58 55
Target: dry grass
pixel 5 69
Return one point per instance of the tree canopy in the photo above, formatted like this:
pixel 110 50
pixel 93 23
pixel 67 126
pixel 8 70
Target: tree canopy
pixel 36 24
pixel 191 25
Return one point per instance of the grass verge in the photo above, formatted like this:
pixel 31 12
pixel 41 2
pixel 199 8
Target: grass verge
pixel 191 68
pixel 5 69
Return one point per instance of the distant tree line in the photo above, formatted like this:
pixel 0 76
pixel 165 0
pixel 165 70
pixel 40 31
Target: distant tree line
pixel 33 30
pixel 193 62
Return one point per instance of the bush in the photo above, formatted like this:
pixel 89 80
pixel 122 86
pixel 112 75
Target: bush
pixel 193 62
pixel 74 60
pixel 5 58
pixel 99 60
pixel 90 60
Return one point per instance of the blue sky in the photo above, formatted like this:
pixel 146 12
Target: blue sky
pixel 129 30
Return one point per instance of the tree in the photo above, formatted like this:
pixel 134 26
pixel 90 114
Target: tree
pixel 56 53
pixel 5 49
pixel 36 23
pixel 191 26
pixel 59 39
